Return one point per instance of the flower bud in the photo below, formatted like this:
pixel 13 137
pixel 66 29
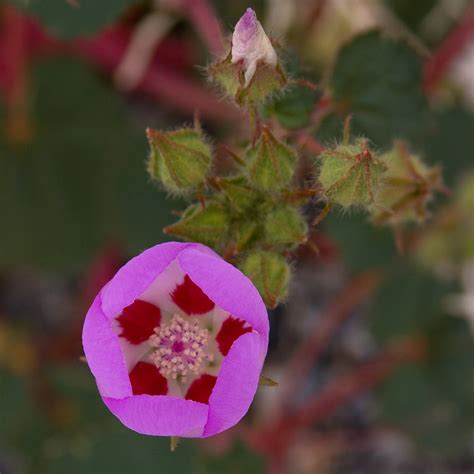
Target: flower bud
pixel 270 273
pixel 251 45
pixel 237 192
pixel 285 226
pixel 208 225
pixel 250 72
pixel 270 163
pixel 180 160
pixel 406 188
pixel 350 174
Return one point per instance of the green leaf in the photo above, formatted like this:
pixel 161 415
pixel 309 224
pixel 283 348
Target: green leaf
pixel 409 301
pixel 293 108
pixel 81 182
pixel 433 401
pixel 411 13
pixel 449 141
pixel 379 81
pixel 63 19
pixel 362 245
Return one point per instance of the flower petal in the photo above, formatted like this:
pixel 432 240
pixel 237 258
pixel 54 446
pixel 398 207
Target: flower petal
pixel 200 390
pixel 136 275
pixel 103 354
pixel 231 329
pixel 160 415
pixel 190 298
pixel 236 384
pixel 147 379
pixel 228 287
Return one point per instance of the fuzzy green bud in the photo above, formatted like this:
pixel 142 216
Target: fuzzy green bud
pixel 270 163
pixel 237 192
pixel 246 232
pixel 285 226
pixel 270 273
pixel 350 174
pixel 208 225
pixel 180 160
pixel 406 188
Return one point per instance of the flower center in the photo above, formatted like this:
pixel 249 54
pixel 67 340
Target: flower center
pixel 179 348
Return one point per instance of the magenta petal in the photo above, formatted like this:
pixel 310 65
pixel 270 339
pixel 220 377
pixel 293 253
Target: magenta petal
pixel 160 415
pixel 137 275
pixel 228 287
pixel 236 385
pixel 103 354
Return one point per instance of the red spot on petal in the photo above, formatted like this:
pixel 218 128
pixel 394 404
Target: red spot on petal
pixel 190 298
pixel 146 379
pixel 200 390
pixel 231 329
pixel 138 321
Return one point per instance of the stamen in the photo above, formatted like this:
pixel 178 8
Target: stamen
pixel 179 348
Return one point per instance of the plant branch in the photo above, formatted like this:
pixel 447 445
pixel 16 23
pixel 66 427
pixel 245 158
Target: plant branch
pixel 324 330
pixel 453 44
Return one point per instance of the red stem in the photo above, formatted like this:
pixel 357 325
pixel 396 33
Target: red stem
pixel 201 14
pixel 453 44
pixel 347 386
pixel 324 330
pixel 276 439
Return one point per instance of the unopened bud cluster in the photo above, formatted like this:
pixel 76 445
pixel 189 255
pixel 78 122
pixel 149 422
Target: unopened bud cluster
pixel 253 213
pixel 246 215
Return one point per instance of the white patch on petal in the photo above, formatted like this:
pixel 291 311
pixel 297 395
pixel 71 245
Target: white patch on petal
pixel 133 353
pixel 159 292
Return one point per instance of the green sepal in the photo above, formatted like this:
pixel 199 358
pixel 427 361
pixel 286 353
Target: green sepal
pixel 266 81
pixel 350 174
pixel 406 188
pixel 208 225
pixel 237 191
pixel 180 160
pixel 270 273
pixel 226 75
pixel 285 226
pixel 247 232
pixel 270 163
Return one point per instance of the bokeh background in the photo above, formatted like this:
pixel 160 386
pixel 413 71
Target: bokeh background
pixel 388 369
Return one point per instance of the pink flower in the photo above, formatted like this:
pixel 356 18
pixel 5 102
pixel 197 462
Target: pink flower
pixel 251 45
pixel 176 342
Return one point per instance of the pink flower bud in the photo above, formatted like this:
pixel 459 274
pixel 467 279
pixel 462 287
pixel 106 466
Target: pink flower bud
pixel 251 45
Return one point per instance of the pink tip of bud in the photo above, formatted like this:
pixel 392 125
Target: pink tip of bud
pixel 248 19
